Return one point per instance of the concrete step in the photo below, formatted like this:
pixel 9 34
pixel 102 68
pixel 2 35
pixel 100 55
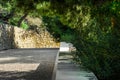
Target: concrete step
pixel 67 70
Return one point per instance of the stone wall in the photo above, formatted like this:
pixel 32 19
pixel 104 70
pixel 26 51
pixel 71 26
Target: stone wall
pixel 6 36
pixel 14 37
pixel 32 39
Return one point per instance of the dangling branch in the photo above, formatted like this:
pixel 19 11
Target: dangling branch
pixel 21 19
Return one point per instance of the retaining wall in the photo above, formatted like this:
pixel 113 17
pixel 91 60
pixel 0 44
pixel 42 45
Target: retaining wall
pixel 14 37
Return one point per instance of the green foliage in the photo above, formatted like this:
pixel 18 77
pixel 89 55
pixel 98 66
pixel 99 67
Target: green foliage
pixel 96 25
pixel 57 29
pixel 92 25
pixel 67 37
pixel 21 8
pixel 98 40
pixel 14 21
pixel 24 26
pixel 95 50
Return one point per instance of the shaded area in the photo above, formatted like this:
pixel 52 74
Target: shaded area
pixel 60 31
pixel 68 70
pixel 43 72
pixel 15 75
pixel 28 55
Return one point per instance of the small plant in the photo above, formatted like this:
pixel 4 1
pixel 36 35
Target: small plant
pixel 24 26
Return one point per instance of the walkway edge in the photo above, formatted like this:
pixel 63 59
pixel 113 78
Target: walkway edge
pixel 55 67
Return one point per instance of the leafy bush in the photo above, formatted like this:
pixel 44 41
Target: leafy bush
pixel 97 36
pixel 98 43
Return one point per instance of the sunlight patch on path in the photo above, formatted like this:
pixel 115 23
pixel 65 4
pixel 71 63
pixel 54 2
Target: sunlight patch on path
pixel 19 67
pixel 8 59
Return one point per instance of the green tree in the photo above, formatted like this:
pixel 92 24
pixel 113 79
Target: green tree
pixel 96 24
pixel 96 28
pixel 20 8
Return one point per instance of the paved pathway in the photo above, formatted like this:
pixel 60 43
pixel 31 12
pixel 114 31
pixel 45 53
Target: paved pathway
pixel 28 64
pixel 38 64
pixel 70 71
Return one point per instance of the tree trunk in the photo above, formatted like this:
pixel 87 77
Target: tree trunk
pixel 21 19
